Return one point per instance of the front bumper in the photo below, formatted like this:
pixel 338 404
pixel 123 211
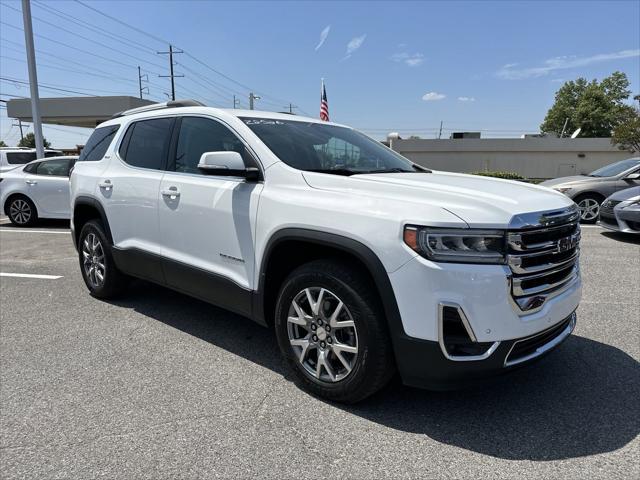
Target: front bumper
pixel 625 220
pixel 422 364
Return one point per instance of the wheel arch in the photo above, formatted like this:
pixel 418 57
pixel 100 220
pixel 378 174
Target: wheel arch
pixel 290 247
pixel 11 196
pixel 85 209
pixel 589 193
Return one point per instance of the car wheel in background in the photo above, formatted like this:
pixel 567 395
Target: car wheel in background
pixel 332 331
pixel 99 271
pixel 22 211
pixel 589 205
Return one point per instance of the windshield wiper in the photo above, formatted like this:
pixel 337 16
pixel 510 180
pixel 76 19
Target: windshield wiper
pixel 334 171
pixel 395 170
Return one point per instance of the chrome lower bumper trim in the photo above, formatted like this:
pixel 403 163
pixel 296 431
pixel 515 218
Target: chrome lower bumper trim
pixel 543 348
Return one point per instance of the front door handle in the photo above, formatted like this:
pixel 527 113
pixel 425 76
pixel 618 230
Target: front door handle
pixel 31 182
pixel 172 193
pixel 106 185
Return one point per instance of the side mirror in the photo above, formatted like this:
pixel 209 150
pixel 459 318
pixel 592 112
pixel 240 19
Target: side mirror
pixel 633 176
pixel 226 163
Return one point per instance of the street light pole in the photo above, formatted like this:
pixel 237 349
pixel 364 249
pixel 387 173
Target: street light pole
pixel 33 77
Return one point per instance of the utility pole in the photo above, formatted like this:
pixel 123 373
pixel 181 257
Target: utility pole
pixel 171 74
pixel 19 125
pixel 291 107
pixel 252 97
pixel 440 133
pixel 33 77
pixel 564 127
pixel 236 102
pixel 142 78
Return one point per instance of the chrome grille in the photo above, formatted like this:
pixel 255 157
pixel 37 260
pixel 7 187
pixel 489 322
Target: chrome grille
pixel 543 259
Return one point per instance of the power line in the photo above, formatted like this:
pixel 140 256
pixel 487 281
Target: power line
pixel 88 39
pixel 187 54
pixel 93 27
pixel 92 54
pixel 52 86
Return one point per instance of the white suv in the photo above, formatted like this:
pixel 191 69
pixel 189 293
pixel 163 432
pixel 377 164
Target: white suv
pixel 363 262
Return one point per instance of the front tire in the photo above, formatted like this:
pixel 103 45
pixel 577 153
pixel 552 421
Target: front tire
pixel 332 332
pixel 589 206
pixel 99 271
pixel 22 211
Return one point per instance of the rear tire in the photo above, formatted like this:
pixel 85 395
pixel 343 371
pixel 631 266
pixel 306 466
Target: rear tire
pixel 99 271
pixel 332 331
pixel 589 205
pixel 22 211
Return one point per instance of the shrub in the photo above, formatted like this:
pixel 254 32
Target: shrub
pixel 505 175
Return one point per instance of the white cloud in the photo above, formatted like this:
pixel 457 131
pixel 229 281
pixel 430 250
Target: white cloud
pixel 323 36
pixel 410 59
pixel 509 72
pixel 466 99
pixel 433 96
pixel 354 44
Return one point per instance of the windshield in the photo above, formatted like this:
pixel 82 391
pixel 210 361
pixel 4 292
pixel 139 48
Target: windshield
pixel 318 147
pixel 616 168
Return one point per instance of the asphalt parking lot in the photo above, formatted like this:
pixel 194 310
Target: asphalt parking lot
pixel 159 385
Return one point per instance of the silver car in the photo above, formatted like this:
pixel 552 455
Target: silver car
pixel 621 211
pixel 589 191
pixel 40 189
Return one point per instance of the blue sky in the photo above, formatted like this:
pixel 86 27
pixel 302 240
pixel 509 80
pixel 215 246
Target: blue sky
pixel 388 66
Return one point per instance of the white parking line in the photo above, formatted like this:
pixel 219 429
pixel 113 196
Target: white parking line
pixel 30 275
pixel 29 230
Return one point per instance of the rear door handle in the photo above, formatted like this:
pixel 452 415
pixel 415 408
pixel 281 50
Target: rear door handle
pixel 31 182
pixel 106 185
pixel 172 192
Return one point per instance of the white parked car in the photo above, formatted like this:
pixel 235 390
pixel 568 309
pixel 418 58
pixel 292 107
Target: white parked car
pixel 14 157
pixel 39 189
pixel 361 261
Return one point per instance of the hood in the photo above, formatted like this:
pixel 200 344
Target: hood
pixel 564 180
pixel 480 201
pixel 626 194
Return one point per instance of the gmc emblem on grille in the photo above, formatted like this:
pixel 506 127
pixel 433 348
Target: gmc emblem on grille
pixel 565 244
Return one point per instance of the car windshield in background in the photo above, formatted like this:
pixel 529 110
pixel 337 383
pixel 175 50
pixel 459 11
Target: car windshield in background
pixel 318 147
pixel 616 168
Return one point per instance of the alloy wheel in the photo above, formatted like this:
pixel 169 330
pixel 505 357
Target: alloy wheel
pixel 589 209
pixel 322 334
pixel 20 211
pixel 93 260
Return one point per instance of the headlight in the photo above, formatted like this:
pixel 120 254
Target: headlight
pixel 457 245
pixel 562 189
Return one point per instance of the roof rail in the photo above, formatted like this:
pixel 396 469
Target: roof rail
pixel 160 106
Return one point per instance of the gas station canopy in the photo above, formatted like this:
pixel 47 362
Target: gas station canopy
pixel 74 111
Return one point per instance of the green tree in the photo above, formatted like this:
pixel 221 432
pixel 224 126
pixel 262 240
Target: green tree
pixel 2 144
pixel 627 134
pixel 29 140
pixel 596 108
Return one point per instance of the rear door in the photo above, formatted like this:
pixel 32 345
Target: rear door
pixel 207 222
pixel 129 187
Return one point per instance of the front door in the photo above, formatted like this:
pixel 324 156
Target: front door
pixel 207 222
pixel 49 187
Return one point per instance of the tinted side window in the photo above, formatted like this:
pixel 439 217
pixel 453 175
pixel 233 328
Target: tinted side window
pixel 31 168
pixel 98 143
pixel 19 158
pixel 199 135
pixel 56 168
pixel 52 154
pixel 148 143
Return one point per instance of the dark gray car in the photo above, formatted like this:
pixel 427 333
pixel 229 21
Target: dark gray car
pixel 589 191
pixel 621 211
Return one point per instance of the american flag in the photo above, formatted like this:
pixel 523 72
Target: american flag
pixel 324 105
